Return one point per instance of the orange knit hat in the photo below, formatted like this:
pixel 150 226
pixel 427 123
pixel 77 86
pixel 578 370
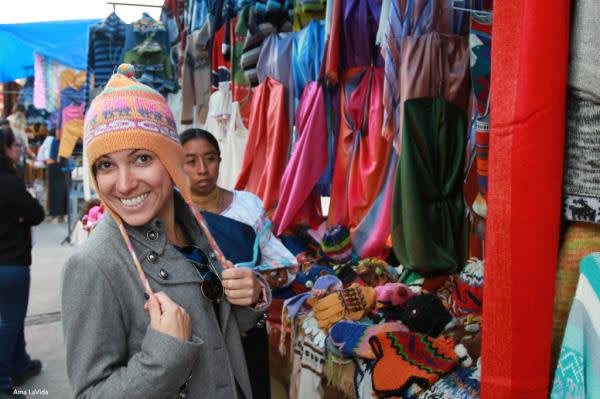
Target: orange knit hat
pixel 129 115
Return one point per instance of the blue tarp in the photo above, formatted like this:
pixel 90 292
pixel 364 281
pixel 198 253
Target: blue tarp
pixel 65 41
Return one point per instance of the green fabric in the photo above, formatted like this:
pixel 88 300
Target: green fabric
pixel 148 56
pixel 428 224
pixel 241 31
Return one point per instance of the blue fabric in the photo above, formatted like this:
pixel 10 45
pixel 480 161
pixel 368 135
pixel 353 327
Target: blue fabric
pixel 309 45
pixel 105 45
pixel 234 238
pixel 64 41
pixel 14 297
pixel 133 36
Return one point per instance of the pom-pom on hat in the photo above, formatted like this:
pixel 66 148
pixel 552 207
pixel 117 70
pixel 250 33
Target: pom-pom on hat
pixel 129 115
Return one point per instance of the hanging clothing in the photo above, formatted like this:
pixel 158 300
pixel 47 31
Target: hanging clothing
pixel 72 78
pixel 72 129
pixel 260 26
pixel 428 212
pixel 361 186
pixel 275 61
pixel 264 161
pixel 196 83
pixel 405 18
pixel 152 66
pixel 578 372
pixel 581 178
pixel 584 54
pixel 297 200
pixel 431 64
pixel 242 91
pixel 39 85
pixel 307 10
pixel 225 123
pixel 105 45
pixel 352 39
pixel 309 45
pixel 221 67
pixel 143 29
pixel 52 71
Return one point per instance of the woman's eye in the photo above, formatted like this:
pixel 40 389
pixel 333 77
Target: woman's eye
pixel 102 165
pixel 144 158
pixel 211 159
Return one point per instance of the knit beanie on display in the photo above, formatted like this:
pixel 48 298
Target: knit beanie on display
pixel 128 115
pixel 425 314
pixel 336 246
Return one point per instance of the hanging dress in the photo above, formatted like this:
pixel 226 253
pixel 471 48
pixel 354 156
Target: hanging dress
pixel 268 134
pixel 307 55
pixel 360 191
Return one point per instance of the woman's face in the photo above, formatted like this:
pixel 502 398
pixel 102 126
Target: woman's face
pixel 201 165
pixel 13 152
pixel 136 185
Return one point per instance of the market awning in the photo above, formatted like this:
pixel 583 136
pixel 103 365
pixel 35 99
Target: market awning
pixel 65 41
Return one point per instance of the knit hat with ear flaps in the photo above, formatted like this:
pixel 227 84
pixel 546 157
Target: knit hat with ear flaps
pixel 128 115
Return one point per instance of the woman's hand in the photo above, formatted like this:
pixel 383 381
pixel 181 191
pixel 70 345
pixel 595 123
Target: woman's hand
pixel 168 317
pixel 241 285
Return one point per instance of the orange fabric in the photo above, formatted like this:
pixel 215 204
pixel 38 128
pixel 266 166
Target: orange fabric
pixel 266 152
pixel 527 129
pixel 362 156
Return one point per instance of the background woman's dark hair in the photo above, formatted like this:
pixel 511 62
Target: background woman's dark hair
pixel 7 138
pixel 191 134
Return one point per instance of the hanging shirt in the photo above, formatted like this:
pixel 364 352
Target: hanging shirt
pixel 225 123
pixel 105 45
pixel 196 82
pixel 152 66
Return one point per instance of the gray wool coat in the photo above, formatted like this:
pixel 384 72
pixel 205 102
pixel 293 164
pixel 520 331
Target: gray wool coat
pixel 111 350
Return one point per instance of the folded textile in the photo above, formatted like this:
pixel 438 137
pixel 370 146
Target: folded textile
pixel 352 338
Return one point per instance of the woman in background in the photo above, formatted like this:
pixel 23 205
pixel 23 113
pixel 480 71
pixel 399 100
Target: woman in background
pixel 244 220
pixel 18 212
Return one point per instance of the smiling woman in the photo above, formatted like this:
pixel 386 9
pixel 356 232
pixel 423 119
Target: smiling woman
pixel 151 331
pixel 136 185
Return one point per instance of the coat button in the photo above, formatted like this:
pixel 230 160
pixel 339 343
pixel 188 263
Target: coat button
pixel 152 257
pixel 152 235
pixel 163 274
pixel 213 255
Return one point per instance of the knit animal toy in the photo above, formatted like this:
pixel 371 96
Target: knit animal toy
pixel 395 294
pixel 405 358
pixel 425 314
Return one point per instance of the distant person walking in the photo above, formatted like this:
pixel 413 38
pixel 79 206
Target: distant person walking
pixel 18 212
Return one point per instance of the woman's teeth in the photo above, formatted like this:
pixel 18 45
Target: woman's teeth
pixel 133 202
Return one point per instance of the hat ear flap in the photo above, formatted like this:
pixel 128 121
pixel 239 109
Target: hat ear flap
pixel 376 346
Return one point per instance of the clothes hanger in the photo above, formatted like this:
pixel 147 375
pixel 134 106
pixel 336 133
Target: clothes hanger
pixel 466 5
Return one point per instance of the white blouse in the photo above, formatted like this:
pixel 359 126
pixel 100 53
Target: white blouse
pixel 247 208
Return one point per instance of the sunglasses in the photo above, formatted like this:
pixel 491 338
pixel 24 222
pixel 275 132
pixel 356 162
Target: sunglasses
pixel 211 285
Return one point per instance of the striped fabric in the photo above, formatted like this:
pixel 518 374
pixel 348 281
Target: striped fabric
pixel 578 372
pixel 105 46
pixel 581 179
pixel 580 239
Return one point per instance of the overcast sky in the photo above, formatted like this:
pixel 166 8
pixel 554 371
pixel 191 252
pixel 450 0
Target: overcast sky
pixel 15 11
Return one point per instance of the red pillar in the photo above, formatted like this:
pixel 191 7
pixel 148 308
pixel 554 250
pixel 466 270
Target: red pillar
pixel 529 76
